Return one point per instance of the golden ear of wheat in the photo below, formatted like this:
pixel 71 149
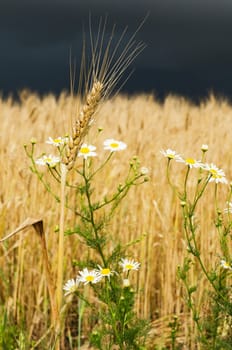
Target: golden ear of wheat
pixel 105 70
pixel 82 124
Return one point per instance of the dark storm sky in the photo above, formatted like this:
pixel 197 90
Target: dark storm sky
pixel 188 43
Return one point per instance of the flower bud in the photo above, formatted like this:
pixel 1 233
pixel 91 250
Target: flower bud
pixel 144 171
pixel 33 141
pixel 204 148
pixel 126 283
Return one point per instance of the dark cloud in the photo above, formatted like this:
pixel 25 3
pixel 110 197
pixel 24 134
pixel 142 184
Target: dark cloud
pixel 188 42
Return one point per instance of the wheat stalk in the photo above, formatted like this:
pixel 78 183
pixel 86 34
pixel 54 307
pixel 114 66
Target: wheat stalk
pixel 80 129
pixel 82 124
pixel 104 74
pixel 60 267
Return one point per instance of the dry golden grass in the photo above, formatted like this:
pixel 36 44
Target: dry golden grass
pixel 150 212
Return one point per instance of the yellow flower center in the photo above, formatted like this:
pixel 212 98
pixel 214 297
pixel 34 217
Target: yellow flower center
pixel 215 174
pixel 57 140
pixel 190 161
pixel 89 278
pixel 114 145
pixel 105 271
pixel 213 171
pixel 170 156
pixel 85 150
pixel 129 266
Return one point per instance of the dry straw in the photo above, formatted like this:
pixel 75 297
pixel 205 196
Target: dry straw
pixel 37 224
pixel 147 126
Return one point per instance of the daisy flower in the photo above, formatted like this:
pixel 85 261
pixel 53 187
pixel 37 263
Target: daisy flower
pixel 170 154
pixel 229 208
pixel 114 145
pixel 216 175
pixel 48 160
pixel 129 264
pixel 59 141
pixel 87 276
pixel 225 265
pixel 104 272
pixel 192 163
pixel 87 151
pixel 70 286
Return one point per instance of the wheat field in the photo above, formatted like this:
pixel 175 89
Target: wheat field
pixel 150 213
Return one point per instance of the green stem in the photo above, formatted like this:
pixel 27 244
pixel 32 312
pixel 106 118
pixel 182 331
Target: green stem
pixel 119 195
pixel 54 173
pixel 81 308
pixel 196 253
pixel 40 177
pixel 102 166
pixel 185 183
pixel 192 305
pixel 168 176
pixel 199 195
pixel 79 324
pixel 92 220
